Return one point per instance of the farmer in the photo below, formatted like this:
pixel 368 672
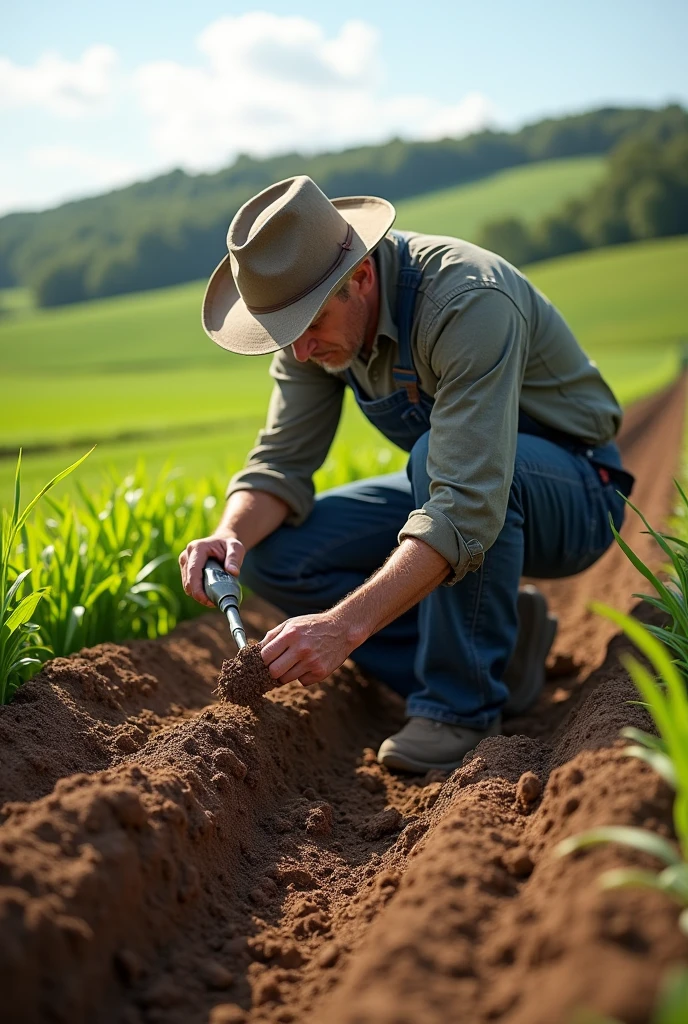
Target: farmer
pixel 454 356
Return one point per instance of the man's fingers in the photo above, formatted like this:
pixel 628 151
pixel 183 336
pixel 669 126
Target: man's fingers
pixel 309 679
pixel 234 556
pixel 284 667
pixel 275 648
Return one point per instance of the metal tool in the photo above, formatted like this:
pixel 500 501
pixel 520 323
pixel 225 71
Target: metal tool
pixel 224 591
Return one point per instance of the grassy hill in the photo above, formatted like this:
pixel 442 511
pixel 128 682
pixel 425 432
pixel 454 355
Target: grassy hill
pixel 528 193
pixel 169 230
pixel 138 375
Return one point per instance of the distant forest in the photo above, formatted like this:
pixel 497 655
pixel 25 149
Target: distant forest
pixel 172 229
pixel 644 194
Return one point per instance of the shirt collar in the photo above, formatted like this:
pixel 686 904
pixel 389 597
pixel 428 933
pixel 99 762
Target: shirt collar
pixel 386 259
pixel 386 262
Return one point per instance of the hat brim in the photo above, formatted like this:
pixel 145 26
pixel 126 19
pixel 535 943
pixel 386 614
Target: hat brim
pixel 229 323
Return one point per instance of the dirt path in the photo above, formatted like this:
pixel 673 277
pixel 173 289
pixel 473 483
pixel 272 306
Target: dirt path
pixel 164 858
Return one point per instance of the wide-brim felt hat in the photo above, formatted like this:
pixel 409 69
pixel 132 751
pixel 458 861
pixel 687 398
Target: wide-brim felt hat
pixel 289 248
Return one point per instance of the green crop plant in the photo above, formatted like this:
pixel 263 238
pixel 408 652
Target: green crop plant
pixel 108 561
pixel 21 642
pixel 669 596
pixel 666 699
pixel 665 648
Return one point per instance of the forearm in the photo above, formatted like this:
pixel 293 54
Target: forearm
pixel 412 572
pixel 309 647
pixel 250 516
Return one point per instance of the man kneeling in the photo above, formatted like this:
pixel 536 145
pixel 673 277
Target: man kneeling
pixel 454 356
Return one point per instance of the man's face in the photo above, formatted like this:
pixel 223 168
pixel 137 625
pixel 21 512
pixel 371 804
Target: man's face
pixel 338 333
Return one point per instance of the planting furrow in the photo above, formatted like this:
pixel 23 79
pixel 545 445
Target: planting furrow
pixel 174 852
pixel 164 858
pixel 489 924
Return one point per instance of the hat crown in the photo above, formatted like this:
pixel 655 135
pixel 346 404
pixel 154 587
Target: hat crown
pixel 284 241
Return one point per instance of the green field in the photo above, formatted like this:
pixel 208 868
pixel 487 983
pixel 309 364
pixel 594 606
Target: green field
pixel 529 193
pixel 138 376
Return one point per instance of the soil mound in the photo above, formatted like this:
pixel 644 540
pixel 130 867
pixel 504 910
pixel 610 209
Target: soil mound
pixel 167 858
pixel 245 678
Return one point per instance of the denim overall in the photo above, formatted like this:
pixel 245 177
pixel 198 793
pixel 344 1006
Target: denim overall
pixel 448 654
pixel 404 416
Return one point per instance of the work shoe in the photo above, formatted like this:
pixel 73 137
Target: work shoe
pixel 424 744
pixel 525 673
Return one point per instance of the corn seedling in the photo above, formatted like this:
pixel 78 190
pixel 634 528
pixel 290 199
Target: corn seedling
pixel 102 565
pixel 110 560
pixel 670 596
pixel 21 642
pixel 666 699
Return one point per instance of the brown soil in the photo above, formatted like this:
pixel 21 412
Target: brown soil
pixel 168 858
pixel 244 679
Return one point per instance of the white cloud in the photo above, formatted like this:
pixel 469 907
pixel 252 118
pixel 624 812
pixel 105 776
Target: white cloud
pixel 261 84
pixel 102 170
pixel 66 88
pixel 268 84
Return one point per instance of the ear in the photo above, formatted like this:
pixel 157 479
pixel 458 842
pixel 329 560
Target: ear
pixel 365 276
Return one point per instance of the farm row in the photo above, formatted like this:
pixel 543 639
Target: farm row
pixel 168 858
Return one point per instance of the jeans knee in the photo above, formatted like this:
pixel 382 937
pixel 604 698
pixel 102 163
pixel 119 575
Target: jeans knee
pixel 252 570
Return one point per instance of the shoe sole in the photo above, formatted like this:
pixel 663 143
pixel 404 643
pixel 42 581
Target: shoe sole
pixel 404 763
pixel 408 764
pixel 525 674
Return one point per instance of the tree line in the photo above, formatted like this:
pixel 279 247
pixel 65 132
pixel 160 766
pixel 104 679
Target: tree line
pixel 172 229
pixel 643 195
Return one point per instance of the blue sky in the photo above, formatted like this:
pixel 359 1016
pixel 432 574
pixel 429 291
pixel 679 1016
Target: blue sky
pixel 91 97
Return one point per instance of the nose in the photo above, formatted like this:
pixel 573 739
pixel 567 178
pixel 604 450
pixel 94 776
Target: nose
pixel 303 347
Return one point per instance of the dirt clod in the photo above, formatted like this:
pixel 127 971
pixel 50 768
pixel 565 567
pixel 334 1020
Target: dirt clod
pixel 328 955
pixel 227 1013
pixel 383 824
pixel 518 862
pixel 216 976
pixel 245 678
pixel 528 790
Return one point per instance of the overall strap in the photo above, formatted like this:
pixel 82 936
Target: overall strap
pixel 408 281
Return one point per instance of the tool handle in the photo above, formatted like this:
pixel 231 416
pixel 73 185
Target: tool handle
pixel 223 590
pixel 221 587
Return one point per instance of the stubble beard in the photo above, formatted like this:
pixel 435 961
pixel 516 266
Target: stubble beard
pixel 342 366
pixel 357 338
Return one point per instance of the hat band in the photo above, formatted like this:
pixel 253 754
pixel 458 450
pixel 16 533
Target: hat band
pixel 345 247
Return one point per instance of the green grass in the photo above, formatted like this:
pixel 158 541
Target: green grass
pixel 15 301
pixel 137 374
pixel 528 192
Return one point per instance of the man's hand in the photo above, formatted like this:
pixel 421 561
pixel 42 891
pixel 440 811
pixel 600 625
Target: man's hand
pixel 227 550
pixel 251 515
pixel 308 647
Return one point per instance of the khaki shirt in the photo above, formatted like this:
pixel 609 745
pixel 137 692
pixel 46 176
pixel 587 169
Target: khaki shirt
pixel 485 341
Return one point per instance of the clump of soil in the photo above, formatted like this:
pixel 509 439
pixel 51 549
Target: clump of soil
pixel 245 679
pixel 528 790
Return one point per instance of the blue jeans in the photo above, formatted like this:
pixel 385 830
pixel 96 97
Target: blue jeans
pixel 448 654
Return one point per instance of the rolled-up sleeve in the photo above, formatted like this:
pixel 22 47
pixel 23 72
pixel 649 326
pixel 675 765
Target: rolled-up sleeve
pixel 302 419
pixel 476 345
